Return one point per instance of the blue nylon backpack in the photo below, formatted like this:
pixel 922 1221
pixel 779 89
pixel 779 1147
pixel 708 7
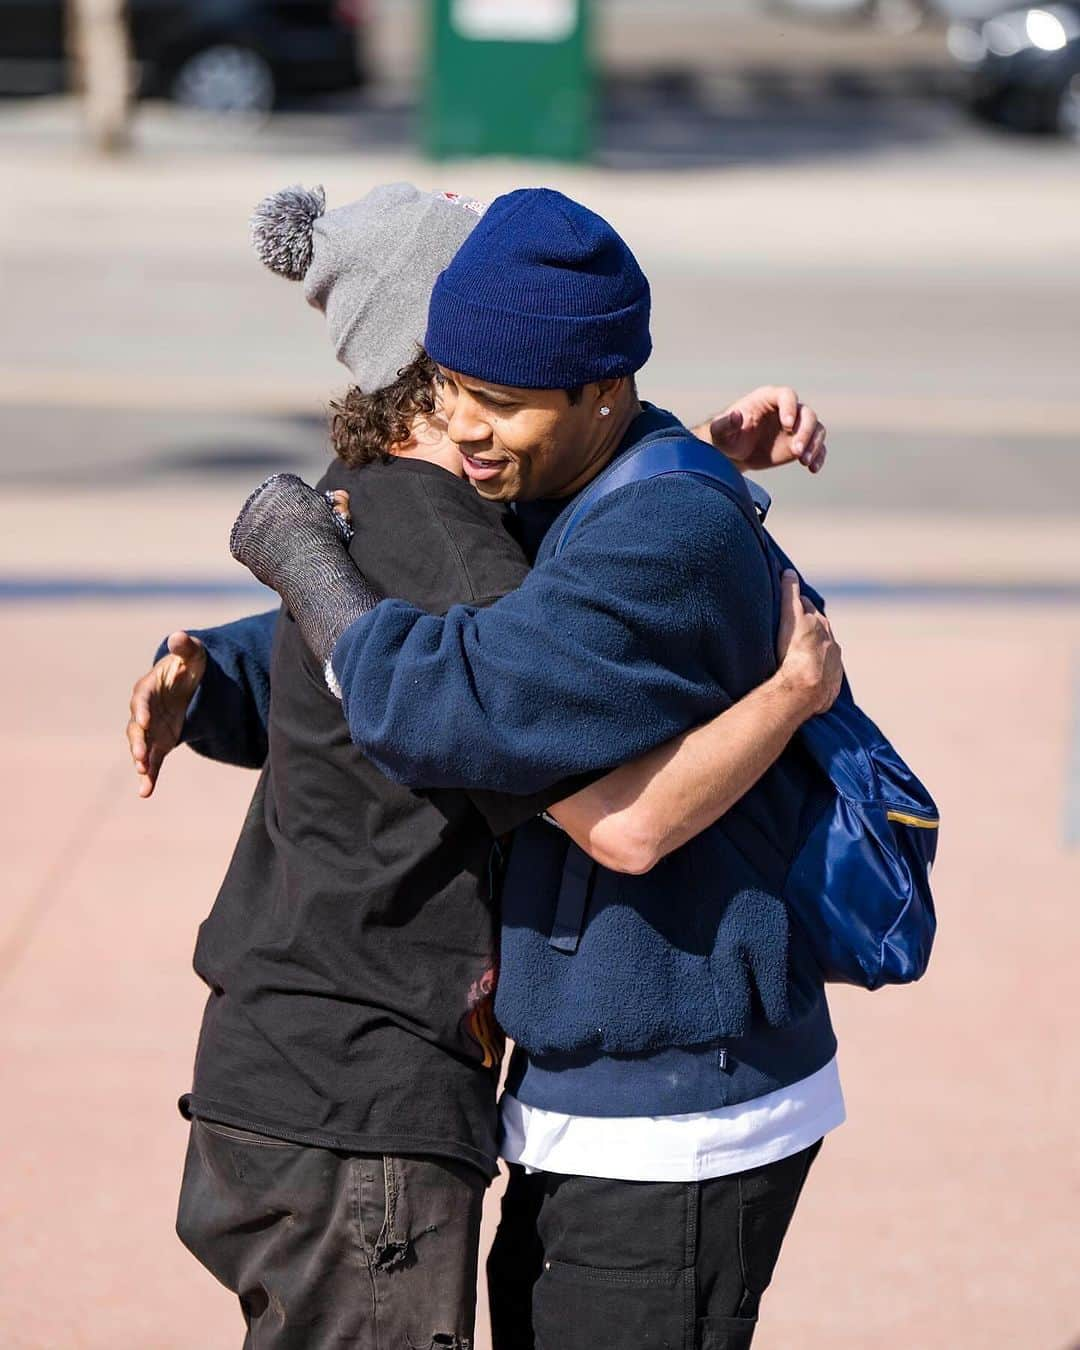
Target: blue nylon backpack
pixel 859 884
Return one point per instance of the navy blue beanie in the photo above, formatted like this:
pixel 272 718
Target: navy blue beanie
pixel 542 295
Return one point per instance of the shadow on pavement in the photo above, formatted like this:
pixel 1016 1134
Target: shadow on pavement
pixel 676 119
pixel 768 114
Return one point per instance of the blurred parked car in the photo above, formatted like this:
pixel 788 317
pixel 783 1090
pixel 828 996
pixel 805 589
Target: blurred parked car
pixel 899 16
pixel 1024 67
pixel 220 55
pixel 896 16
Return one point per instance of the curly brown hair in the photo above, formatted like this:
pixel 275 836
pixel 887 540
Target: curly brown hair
pixel 364 427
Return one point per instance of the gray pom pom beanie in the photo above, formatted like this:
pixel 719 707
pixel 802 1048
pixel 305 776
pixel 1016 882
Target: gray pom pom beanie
pixel 369 266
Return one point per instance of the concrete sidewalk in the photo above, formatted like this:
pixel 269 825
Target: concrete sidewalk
pixel 922 292
pixel 943 1215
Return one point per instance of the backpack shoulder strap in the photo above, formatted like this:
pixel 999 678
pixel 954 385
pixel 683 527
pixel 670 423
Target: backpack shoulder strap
pixel 669 451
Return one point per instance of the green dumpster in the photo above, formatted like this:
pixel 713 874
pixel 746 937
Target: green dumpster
pixel 508 77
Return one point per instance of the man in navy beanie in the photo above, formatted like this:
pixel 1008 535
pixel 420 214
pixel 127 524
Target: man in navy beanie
pixel 671 1026
pixel 544 293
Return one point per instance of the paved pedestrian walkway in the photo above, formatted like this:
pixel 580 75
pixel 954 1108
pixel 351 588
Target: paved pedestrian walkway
pixel 942 1215
pixel 150 373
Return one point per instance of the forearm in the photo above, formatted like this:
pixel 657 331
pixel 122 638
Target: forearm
pixel 287 536
pixel 539 687
pixel 649 807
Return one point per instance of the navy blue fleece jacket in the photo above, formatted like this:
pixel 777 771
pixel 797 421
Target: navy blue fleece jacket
pixel 656 616
pixel 227 717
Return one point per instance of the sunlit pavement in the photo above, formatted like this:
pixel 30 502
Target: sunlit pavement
pixel 149 372
pixel 933 1214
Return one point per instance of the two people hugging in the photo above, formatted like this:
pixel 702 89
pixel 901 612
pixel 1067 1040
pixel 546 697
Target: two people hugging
pixel 513 731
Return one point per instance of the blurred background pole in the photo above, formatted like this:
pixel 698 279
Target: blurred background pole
pixel 508 77
pixel 100 56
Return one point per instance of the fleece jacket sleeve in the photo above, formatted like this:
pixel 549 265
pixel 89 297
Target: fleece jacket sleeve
pixel 610 649
pixel 226 720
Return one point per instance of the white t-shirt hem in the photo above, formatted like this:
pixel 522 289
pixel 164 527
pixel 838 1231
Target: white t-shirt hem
pixel 684 1148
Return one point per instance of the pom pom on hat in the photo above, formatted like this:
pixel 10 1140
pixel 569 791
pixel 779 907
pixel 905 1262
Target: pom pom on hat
pixel 282 229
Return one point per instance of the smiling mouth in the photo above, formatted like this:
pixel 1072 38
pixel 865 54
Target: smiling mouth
pixel 477 467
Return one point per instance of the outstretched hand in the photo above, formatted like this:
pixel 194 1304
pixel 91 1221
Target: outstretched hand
pixel 766 429
pixel 159 704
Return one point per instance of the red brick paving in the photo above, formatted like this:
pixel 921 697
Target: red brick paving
pixel 943 1215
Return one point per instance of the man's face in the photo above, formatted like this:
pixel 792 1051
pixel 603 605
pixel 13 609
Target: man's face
pixel 520 444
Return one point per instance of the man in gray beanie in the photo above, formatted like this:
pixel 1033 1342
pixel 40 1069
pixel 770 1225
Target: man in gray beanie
pixel 343 1121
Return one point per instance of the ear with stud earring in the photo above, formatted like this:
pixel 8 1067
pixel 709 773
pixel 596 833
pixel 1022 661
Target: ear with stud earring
pixel 605 411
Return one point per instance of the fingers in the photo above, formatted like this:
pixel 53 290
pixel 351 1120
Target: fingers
pixel 139 727
pixel 724 426
pixel 339 499
pixel 803 428
pixel 808 439
pixel 147 755
pixel 787 405
pixel 815 453
pixel 153 768
pixel 147 772
pixel 183 645
pixel 140 700
pixel 790 611
pixel 159 702
pixel 789 590
pixel 812 611
pixel 338 503
pixel 810 656
pixel 142 758
pixel 136 739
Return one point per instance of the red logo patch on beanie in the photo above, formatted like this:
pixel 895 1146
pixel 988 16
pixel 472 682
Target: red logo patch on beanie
pixel 469 203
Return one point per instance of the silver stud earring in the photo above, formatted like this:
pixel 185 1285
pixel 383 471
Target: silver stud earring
pixel 605 410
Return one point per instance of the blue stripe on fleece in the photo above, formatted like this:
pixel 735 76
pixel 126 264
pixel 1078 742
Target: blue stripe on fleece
pixel 57 588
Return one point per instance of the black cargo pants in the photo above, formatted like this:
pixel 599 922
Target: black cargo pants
pixel 581 1263
pixel 329 1250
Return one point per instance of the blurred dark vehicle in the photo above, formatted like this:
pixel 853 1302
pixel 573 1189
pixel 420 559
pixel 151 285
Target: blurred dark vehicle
pixel 895 16
pixel 219 55
pixel 1024 67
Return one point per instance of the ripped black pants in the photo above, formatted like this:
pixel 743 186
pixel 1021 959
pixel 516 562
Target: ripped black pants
pixel 328 1250
pixel 580 1263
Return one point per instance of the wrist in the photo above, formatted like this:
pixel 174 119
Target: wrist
pixel 799 697
pixel 324 610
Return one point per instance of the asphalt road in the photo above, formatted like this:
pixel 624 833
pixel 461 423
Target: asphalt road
pixel 916 278
pixel 811 203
